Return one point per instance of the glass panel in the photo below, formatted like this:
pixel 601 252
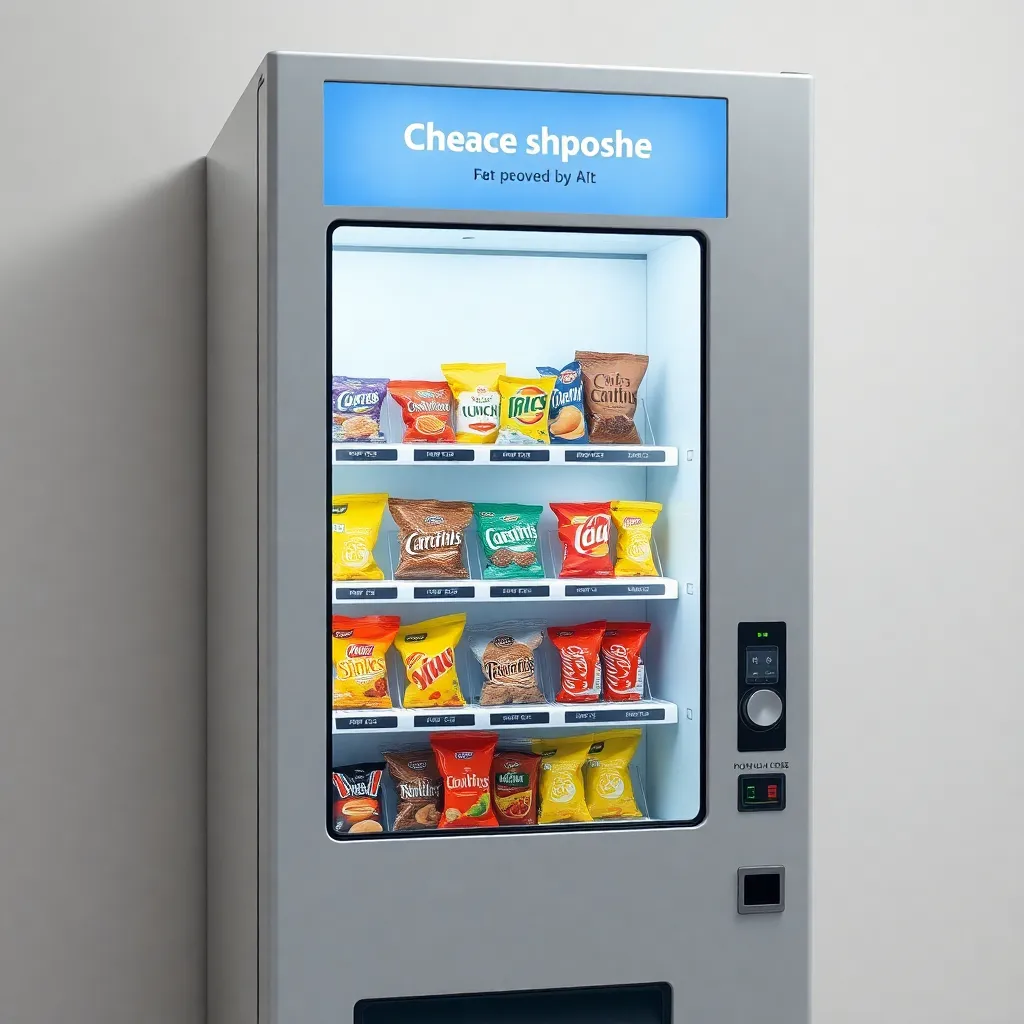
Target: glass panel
pixel 516 530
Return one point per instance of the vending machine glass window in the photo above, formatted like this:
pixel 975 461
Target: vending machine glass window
pixel 516 528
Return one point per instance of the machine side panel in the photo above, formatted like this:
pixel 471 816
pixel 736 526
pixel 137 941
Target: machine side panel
pixel 232 543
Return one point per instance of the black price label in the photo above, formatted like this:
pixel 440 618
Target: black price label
pixel 366 455
pixel 615 590
pixel 366 722
pixel 438 593
pixel 365 593
pixel 442 455
pixel 521 592
pixel 520 455
pixel 623 714
pixel 441 721
pixel 625 455
pixel 520 718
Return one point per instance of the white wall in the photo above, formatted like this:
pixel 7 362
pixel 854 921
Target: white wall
pixel 105 108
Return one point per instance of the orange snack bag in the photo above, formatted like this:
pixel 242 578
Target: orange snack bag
pixel 359 646
pixel 426 409
pixel 464 761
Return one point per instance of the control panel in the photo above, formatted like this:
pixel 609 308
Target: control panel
pixel 761 672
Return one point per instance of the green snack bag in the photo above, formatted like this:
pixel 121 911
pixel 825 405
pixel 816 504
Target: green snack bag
pixel 510 539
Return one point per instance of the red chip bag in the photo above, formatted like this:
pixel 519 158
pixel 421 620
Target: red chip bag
pixel 579 653
pixel 584 528
pixel 426 408
pixel 620 660
pixel 464 761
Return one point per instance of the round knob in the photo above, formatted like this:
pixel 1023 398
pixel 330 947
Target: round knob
pixel 763 708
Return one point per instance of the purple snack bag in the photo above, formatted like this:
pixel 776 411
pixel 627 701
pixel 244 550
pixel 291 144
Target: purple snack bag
pixel 356 404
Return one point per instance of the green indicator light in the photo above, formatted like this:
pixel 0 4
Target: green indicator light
pixel 751 793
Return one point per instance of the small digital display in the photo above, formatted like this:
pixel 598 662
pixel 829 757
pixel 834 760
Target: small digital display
pixel 762 664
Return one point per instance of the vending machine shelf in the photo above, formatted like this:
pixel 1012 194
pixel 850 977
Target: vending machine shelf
pixel 393 452
pixel 503 455
pixel 640 588
pixel 542 717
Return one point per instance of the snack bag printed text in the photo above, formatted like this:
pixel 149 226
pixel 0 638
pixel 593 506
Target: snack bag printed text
pixel 428 655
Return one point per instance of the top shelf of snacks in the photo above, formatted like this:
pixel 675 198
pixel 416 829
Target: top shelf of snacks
pixel 477 415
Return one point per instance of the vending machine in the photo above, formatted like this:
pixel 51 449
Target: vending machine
pixel 509 550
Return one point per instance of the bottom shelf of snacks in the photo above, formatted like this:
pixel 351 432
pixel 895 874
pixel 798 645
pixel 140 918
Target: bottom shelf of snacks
pixel 479 780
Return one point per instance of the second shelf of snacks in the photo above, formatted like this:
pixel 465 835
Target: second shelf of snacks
pixel 429 591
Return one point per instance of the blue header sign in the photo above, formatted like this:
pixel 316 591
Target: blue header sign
pixel 440 148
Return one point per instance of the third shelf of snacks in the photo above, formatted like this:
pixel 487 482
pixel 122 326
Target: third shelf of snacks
pixel 510 675
pixel 435 555
pixel 507 716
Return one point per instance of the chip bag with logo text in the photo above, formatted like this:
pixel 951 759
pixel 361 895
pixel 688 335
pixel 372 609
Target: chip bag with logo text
pixel 584 529
pixel 579 658
pixel 426 409
pixel 355 523
pixel 477 402
pixel 464 761
pixel 358 650
pixel 561 785
pixel 524 409
pixel 606 781
pixel 428 656
pixel 634 521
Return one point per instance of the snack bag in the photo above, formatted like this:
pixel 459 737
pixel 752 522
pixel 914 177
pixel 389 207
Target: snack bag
pixel 430 538
pixel 524 409
pixel 635 521
pixel 579 650
pixel 621 668
pixel 418 785
pixel 358 650
pixel 514 785
pixel 357 799
pixel 611 381
pixel 585 528
pixel 510 539
pixel 356 404
pixel 428 654
pixel 606 781
pixel 562 795
pixel 464 759
pixel 355 523
pixel 477 402
pixel 566 421
pixel 506 655
pixel 426 409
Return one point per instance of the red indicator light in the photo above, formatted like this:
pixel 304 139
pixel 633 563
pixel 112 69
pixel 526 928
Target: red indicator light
pixel 773 792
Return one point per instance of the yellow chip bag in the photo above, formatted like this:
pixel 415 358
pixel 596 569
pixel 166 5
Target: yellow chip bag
pixel 633 553
pixel 606 781
pixel 428 655
pixel 477 402
pixel 524 409
pixel 561 779
pixel 355 523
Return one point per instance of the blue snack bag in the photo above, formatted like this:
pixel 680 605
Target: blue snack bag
pixel 566 420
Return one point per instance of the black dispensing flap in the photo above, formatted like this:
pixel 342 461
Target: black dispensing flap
pixel 612 1004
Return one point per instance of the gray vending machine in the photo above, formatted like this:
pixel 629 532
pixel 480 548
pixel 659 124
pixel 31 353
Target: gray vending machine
pixel 509 548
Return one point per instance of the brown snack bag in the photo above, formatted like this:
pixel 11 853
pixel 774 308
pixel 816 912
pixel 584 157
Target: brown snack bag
pixel 430 538
pixel 508 662
pixel 418 784
pixel 514 784
pixel 611 382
